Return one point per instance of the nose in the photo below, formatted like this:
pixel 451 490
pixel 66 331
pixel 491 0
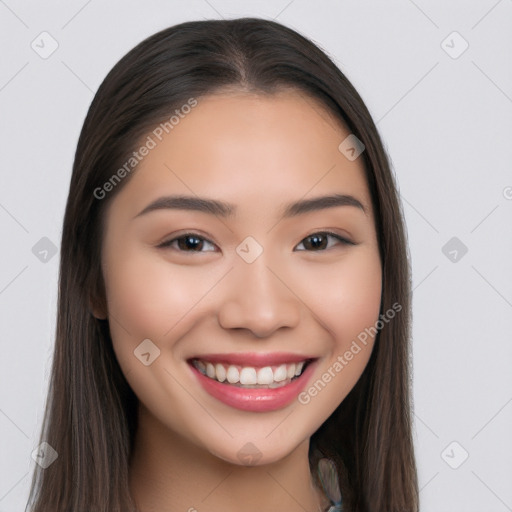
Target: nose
pixel 259 298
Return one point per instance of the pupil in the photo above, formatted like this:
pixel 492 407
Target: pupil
pixel 189 242
pixel 317 241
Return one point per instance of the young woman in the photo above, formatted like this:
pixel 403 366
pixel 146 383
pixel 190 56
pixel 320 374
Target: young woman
pixel 233 318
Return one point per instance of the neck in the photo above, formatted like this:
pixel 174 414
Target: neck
pixel 168 472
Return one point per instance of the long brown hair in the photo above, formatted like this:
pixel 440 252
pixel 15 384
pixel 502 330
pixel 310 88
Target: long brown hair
pixel 90 417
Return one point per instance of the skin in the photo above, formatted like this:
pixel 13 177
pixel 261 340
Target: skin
pixel 259 153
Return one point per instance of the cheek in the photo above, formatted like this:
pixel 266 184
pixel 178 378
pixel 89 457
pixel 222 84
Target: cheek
pixel 346 301
pixel 150 299
pixel 346 296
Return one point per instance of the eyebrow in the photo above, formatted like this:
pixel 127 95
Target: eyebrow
pixel 225 210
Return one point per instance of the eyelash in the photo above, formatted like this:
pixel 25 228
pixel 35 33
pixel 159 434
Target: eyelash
pixel 167 244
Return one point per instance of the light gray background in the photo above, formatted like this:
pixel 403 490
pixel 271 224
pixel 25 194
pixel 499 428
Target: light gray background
pixel 447 124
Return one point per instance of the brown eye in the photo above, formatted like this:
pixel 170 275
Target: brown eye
pixel 189 242
pixel 320 241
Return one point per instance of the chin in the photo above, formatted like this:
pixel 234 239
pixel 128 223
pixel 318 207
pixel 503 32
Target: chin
pixel 259 452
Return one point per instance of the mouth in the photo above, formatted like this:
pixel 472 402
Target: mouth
pixel 253 382
pixel 251 377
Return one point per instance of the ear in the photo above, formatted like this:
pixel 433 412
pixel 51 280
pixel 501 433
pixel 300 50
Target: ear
pixel 98 314
pixel 97 307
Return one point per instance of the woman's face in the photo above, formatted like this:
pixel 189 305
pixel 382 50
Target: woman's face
pixel 239 279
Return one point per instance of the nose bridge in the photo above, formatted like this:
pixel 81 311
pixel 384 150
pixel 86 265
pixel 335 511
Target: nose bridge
pixel 257 297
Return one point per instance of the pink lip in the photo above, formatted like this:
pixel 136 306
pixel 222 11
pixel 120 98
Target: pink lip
pixel 255 359
pixel 255 400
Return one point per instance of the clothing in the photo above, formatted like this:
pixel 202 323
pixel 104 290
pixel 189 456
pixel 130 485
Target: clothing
pixel 328 475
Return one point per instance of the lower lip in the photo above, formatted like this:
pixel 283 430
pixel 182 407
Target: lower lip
pixel 252 399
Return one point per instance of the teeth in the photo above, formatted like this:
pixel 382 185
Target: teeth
pixel 265 375
pixel 233 375
pixel 280 373
pixel 210 370
pixel 248 376
pixel 268 376
pixel 221 372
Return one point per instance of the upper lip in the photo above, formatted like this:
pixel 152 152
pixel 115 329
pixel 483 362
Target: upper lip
pixel 255 358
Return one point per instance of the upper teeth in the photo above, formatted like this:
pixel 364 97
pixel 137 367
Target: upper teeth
pixel 248 375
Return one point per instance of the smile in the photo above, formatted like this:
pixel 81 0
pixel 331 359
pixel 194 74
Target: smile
pixel 251 377
pixel 253 382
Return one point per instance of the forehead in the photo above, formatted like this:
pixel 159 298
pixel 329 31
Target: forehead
pixel 250 150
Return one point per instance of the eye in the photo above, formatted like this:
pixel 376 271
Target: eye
pixel 189 242
pixel 320 241
pixel 192 242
